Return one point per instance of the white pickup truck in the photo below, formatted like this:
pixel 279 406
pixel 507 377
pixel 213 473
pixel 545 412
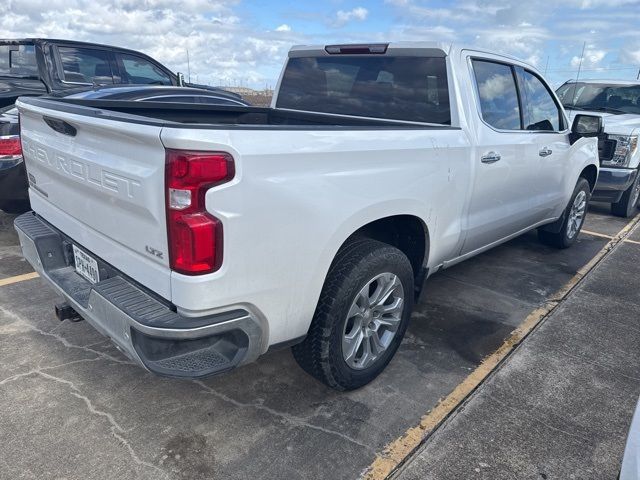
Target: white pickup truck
pixel 199 237
pixel 618 103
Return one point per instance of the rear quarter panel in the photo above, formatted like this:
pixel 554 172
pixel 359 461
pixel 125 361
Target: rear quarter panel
pixel 298 195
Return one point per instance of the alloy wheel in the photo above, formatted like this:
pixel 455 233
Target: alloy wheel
pixel 373 320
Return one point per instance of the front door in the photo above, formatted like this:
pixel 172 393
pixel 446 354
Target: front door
pixel 548 125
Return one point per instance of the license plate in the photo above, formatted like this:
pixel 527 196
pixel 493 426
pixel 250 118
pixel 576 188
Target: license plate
pixel 86 265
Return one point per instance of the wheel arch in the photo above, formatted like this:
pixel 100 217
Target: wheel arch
pixel 408 233
pixel 590 174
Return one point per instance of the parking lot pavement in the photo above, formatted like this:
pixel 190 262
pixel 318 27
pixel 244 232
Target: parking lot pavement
pixel 73 407
pixel 11 262
pixel 601 221
pixel 560 406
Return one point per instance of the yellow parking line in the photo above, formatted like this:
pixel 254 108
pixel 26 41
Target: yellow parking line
pixel 18 278
pixel 595 234
pixel 397 451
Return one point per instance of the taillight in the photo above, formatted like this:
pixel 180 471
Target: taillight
pixel 10 147
pixel 195 236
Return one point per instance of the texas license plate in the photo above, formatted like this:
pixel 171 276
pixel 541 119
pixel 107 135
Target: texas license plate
pixel 86 265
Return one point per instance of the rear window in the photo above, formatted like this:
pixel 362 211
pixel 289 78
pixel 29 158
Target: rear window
pixel 19 60
pixel 398 88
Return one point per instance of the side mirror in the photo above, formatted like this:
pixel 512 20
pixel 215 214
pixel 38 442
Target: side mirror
pixel 180 79
pixel 587 125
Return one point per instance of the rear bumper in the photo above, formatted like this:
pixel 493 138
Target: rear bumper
pixel 142 325
pixel 612 182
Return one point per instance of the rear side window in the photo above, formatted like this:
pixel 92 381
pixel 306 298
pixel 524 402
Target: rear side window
pixel 397 88
pixel 85 65
pixel 19 60
pixel 138 71
pixel 542 113
pixel 498 94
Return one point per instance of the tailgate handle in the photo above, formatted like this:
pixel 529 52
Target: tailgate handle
pixel 61 126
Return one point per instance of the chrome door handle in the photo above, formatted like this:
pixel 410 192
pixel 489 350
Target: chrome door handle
pixel 491 157
pixel 545 152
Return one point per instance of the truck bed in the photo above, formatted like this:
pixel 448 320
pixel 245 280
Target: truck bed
pixel 219 116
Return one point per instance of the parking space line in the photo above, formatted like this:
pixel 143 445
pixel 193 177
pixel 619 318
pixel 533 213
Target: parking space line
pixel 396 452
pixel 631 241
pixel 18 278
pixel 595 234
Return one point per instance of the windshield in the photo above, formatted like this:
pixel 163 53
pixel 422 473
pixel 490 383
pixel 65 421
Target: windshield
pixel 18 60
pixel 398 88
pixel 601 97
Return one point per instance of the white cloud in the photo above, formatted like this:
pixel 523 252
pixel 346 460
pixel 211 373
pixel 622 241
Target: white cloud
pixel 592 57
pixel 343 17
pixel 630 54
pixel 283 28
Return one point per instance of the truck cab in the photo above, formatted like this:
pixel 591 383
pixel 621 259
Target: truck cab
pixel 618 103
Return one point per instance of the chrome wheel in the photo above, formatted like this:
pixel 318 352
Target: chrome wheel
pixel 576 215
pixel 372 321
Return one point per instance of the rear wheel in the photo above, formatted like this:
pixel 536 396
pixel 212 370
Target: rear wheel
pixel 629 201
pixel 361 317
pixel 574 217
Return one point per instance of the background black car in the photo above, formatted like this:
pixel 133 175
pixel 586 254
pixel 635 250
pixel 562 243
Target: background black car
pixel 13 180
pixel 40 66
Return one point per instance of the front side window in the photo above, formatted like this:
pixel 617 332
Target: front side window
pixel 498 94
pixel 85 65
pixel 138 71
pixel 542 111
pixel 397 88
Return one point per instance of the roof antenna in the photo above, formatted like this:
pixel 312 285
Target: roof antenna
pixel 546 66
pixel 188 67
pixel 575 85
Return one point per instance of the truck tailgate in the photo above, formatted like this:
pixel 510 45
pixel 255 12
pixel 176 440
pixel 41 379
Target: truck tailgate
pixel 104 180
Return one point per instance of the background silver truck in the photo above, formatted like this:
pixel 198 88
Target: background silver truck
pixel 198 238
pixel 618 103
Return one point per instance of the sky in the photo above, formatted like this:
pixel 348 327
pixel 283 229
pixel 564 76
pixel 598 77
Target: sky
pixel 244 42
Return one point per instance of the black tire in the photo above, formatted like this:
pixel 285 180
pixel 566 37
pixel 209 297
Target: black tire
pixel 320 354
pixel 563 238
pixel 15 206
pixel 626 207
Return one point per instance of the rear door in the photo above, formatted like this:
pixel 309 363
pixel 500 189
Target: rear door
pixel 546 122
pixel 503 184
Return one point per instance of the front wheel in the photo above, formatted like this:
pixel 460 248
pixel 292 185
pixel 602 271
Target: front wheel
pixel 361 317
pixel 574 216
pixel 627 204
